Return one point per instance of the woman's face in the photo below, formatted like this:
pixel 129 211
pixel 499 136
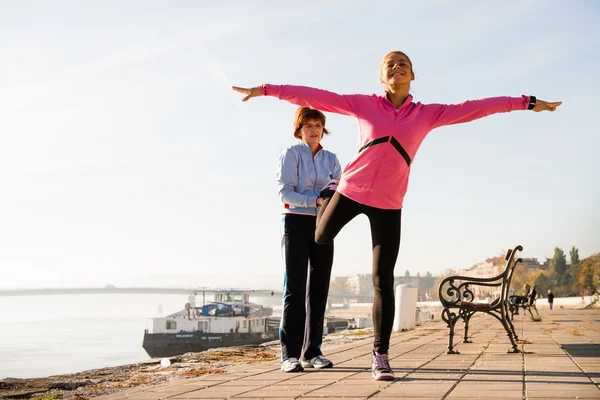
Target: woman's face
pixel 312 132
pixel 396 70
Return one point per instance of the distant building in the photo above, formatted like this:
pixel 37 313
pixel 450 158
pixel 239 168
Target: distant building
pixel 489 268
pixel 406 280
pixel 532 264
pixel 361 284
pixel 493 267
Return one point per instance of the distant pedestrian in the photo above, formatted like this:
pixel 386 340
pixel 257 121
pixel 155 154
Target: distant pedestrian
pixel 550 298
pixel 516 300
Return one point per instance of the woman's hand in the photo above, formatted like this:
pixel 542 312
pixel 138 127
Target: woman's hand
pixel 541 105
pixel 250 93
pixel 319 202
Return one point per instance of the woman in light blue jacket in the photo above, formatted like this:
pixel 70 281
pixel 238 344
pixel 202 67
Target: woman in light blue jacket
pixel 304 170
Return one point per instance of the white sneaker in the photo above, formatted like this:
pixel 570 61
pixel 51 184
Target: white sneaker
pixel 317 362
pixel 291 365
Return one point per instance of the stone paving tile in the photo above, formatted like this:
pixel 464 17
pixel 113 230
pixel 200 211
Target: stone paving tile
pixel 326 374
pixel 339 390
pixel 405 364
pixel 213 392
pixel 562 394
pixel 308 397
pixel 354 364
pixel 378 397
pixel 557 377
pixel 362 378
pixel 358 382
pixel 497 396
pixel 238 383
pixel 174 389
pixel 208 380
pixel 146 396
pixel 260 378
pixel 425 376
pixel 481 393
pixel 279 391
pixel 484 387
pixel 493 377
pixel 573 387
pixel 415 389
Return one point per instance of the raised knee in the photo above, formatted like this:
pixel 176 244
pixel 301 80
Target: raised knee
pixel 320 239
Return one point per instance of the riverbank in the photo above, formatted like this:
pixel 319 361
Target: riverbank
pixel 99 382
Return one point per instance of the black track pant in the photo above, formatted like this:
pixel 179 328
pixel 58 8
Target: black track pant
pixel 385 234
pixel 306 283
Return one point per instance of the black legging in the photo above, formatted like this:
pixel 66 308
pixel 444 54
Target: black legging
pixel 385 234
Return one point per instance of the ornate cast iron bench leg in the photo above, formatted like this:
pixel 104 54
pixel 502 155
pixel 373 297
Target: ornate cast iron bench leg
pixel 466 316
pixel 536 311
pixel 509 320
pixel 509 333
pixel 533 317
pixel 530 313
pixel 450 319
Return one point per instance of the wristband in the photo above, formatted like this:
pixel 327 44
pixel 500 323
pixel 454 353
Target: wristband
pixel 532 101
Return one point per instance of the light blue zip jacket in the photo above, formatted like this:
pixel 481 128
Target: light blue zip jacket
pixel 300 178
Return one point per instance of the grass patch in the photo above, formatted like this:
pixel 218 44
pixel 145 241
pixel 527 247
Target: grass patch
pixel 50 396
pixel 199 372
pixel 239 356
pixel 263 356
pixel 358 332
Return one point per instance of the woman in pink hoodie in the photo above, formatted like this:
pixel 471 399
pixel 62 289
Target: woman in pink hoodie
pixel 391 129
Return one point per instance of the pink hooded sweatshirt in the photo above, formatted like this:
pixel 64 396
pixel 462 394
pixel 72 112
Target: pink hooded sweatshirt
pixel 389 137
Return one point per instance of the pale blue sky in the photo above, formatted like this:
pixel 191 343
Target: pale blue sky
pixel 125 157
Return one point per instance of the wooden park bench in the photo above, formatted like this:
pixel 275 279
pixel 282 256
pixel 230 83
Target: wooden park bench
pixel 526 306
pixel 457 298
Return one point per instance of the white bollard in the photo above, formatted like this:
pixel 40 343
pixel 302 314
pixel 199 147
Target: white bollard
pixel 406 307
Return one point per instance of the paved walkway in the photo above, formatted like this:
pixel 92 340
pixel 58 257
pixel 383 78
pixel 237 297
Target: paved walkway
pixel 561 360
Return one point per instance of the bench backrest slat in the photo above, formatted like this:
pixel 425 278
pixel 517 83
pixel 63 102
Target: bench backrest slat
pixel 512 259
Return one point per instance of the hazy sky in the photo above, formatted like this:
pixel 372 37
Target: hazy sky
pixel 125 157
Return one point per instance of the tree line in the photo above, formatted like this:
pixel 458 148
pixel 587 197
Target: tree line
pixel 579 278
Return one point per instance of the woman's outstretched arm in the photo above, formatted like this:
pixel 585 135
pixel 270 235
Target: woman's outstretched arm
pixel 319 99
pixel 449 114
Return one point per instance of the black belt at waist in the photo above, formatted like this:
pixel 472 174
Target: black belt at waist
pixel 394 142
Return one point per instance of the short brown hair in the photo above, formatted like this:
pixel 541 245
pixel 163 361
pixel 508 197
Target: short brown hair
pixel 303 115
